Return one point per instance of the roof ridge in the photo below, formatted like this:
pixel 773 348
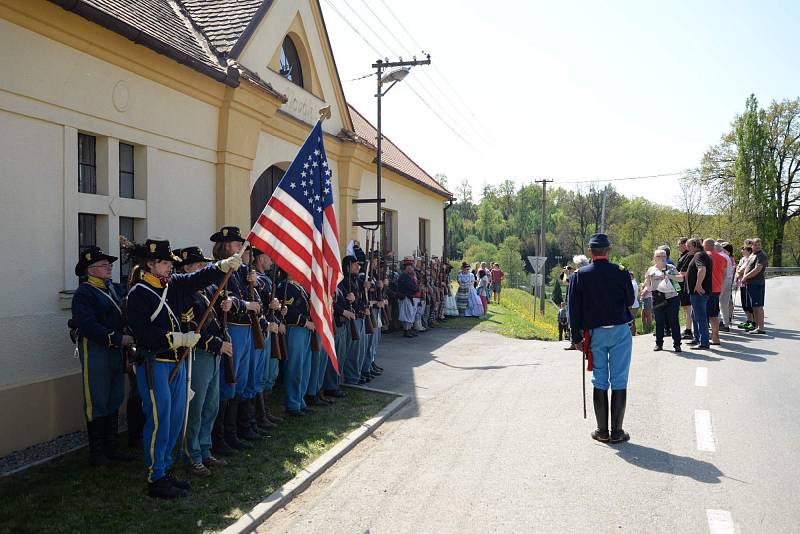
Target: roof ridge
pixel 200 35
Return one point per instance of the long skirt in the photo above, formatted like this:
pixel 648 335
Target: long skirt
pixel 462 299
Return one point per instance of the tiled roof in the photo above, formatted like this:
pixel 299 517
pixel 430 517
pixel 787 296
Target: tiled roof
pixel 222 21
pixel 197 33
pixel 393 157
pixel 159 19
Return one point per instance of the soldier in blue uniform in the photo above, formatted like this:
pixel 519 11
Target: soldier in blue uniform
pixel 297 368
pixel 341 321
pixel 349 286
pixel 160 336
pixel 263 265
pixel 213 346
pixel 97 316
pixel 227 242
pixel 599 297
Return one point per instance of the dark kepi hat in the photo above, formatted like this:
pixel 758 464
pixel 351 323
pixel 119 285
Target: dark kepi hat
pixel 227 233
pixel 348 260
pixel 89 256
pixel 155 249
pixel 189 255
pixel 599 241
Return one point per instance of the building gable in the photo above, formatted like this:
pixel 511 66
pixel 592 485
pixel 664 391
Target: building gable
pixel 302 22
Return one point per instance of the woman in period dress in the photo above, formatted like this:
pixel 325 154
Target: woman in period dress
pixel 467 300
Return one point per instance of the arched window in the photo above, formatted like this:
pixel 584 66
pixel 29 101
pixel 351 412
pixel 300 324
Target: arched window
pixel 290 62
pixel 263 189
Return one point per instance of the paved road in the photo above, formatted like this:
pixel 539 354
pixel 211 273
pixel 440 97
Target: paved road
pixel 495 441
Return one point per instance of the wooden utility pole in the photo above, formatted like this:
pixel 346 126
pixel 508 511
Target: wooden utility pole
pixel 544 183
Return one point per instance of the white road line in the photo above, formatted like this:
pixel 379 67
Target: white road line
pixel 702 427
pixel 701 377
pixel 720 522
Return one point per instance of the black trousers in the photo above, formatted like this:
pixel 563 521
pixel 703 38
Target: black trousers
pixel 667 321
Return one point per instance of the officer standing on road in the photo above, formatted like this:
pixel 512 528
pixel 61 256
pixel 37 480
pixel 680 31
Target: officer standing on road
pixel 599 297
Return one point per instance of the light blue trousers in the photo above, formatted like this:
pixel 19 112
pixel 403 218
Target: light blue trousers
pixel 242 342
pixel 163 410
pixel 611 352
pixel 351 368
pixel 203 407
pixel 332 379
pixel 297 368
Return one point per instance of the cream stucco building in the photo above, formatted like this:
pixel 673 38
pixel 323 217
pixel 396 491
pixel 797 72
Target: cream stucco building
pixel 159 118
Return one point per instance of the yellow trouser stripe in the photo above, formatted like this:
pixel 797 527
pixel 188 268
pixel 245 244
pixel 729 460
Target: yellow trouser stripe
pixel 153 437
pixel 87 393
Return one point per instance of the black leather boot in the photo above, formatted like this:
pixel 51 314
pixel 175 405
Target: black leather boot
pixel 111 440
pixel 231 435
pixel 96 433
pixel 218 445
pixel 600 401
pixel 243 422
pixel 618 401
pixel 262 420
pixel 272 417
pixel 252 414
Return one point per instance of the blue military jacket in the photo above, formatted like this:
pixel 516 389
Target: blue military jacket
pixel 153 336
pixel 238 290
pixel 599 295
pixel 96 310
pixel 296 302
pixel 211 335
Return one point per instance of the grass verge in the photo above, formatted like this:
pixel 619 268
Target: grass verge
pixel 513 317
pixel 67 496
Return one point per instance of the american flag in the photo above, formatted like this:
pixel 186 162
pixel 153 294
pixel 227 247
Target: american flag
pixel 299 232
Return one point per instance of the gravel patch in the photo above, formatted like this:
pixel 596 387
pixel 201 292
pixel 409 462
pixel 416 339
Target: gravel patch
pixel 44 452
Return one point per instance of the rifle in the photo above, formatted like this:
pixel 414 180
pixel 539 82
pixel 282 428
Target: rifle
pixel 255 324
pixel 183 351
pixel 230 371
pixel 586 354
pixel 314 342
pixel 282 337
pixel 369 328
pixel 353 329
pixel 275 343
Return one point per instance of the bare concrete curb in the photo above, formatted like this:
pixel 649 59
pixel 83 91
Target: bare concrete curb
pixel 281 497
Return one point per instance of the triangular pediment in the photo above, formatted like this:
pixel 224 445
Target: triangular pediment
pixel 302 22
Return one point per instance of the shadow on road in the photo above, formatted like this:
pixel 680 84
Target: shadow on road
pixel 780 332
pixel 689 354
pixel 484 367
pixel 665 462
pixel 732 350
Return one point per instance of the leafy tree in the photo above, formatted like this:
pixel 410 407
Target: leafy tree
pixel 756 166
pixel 481 251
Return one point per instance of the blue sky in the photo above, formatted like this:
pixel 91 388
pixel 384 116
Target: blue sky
pixel 577 90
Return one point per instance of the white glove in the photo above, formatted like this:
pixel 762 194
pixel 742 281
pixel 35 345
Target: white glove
pixel 184 339
pixel 232 263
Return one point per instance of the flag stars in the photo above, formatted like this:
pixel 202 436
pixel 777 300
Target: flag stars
pixel 325 163
pixel 316 152
pixel 326 190
pixel 304 183
pixel 316 197
pixel 305 193
pixel 327 172
pixel 293 185
pixel 319 209
pixel 314 164
pixel 305 165
pixel 304 174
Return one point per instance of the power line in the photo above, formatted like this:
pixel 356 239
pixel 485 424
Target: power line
pixel 453 89
pixel 347 21
pixel 602 180
pixel 410 86
pixel 450 117
pixel 447 98
pixel 361 77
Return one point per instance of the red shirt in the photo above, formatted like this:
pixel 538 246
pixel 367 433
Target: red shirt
pixel 718 264
pixel 497 276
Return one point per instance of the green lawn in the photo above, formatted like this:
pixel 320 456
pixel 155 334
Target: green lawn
pixel 67 496
pixel 513 317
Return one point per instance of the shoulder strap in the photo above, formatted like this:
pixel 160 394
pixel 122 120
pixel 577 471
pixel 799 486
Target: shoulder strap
pixel 109 297
pixel 162 303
